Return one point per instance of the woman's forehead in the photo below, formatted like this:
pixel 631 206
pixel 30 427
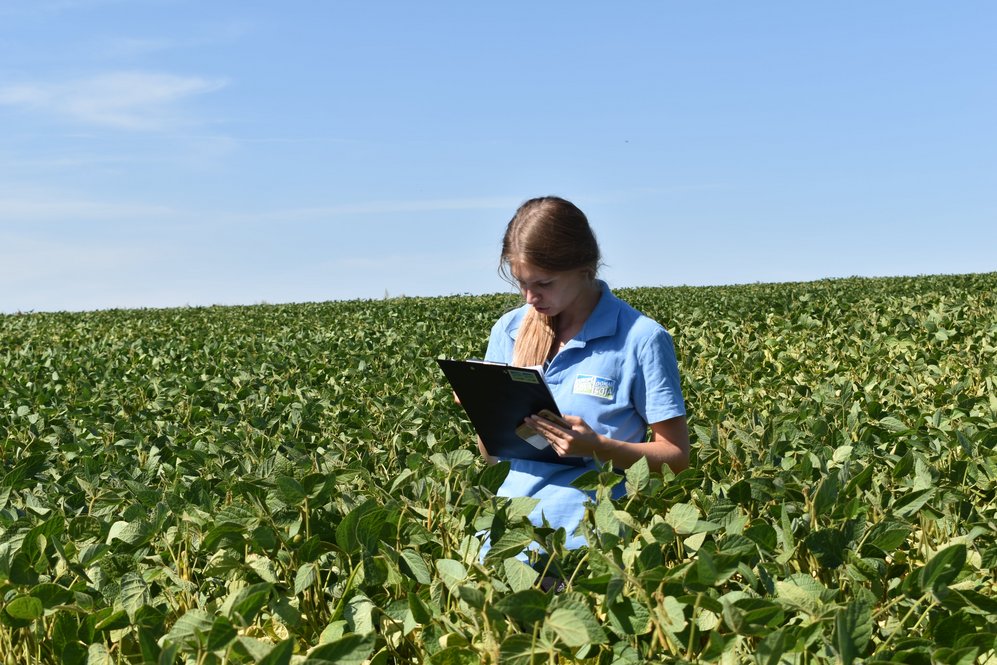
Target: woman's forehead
pixel 527 272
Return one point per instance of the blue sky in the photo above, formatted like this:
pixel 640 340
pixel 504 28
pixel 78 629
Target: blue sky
pixel 176 152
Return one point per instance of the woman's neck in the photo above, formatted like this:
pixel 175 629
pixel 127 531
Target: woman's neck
pixel 569 322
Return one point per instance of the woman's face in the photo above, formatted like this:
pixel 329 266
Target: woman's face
pixel 551 293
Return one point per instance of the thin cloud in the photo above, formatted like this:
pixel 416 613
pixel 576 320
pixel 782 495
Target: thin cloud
pixel 34 7
pixel 138 101
pixel 389 207
pixel 48 206
pixel 199 37
pixel 21 210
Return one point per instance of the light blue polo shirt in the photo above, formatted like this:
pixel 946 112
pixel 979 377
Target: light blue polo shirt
pixel 619 373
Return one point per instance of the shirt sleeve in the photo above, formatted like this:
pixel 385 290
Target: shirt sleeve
pixel 500 343
pixel 657 388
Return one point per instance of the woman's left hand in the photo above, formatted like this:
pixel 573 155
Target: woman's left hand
pixel 578 440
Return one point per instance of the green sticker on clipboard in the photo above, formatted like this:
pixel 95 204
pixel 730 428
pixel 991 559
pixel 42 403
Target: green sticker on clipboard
pixel 522 377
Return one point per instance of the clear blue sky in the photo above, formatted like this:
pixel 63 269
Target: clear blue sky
pixel 172 152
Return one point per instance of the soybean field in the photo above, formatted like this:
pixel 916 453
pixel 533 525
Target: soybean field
pixel 282 484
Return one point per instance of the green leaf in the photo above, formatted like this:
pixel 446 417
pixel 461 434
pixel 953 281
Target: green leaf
pixel 113 621
pixel 416 566
pixel 520 649
pixel 369 528
pixel 52 595
pixel 333 631
pixel 841 454
pixel 27 608
pixel 638 475
pixel 519 575
pixel 452 573
pixel 573 623
pixel 455 656
pixel 801 591
pixel 97 654
pixel 527 606
pixel 853 631
pixel 965 656
pixel 605 518
pixel 169 653
pixel 826 494
pixel 717 645
pixel 512 542
pixel 683 518
pixel 134 594
pixel 65 630
pixel 671 614
pixel 893 424
pixel 306 577
pixel 520 507
pixel 473 596
pixel 280 654
pixel 419 609
pixel 770 649
pixel 569 626
pixel 943 568
pixel 493 475
pixel 359 614
pixel 131 533
pixel 629 617
pixel 221 634
pixel 188 627
pixel 346 532
pixel 263 567
pixel 984 603
pixel 912 502
pixel 348 650
pixel 291 490
pixel 74 653
pixel 763 535
pixel 148 645
pixel 888 535
pixel 587 482
pixel 243 605
pixel 828 545
pixel 753 616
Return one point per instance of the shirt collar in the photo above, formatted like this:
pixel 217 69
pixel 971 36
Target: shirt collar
pixel 603 320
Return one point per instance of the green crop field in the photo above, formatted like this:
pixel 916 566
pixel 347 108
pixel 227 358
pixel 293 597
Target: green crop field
pixel 294 484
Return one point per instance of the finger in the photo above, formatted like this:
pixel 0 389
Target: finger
pixel 545 426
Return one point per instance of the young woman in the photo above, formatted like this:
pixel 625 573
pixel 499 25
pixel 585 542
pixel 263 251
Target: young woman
pixel 611 369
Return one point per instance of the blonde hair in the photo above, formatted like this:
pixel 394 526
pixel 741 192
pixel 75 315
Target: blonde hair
pixel 551 234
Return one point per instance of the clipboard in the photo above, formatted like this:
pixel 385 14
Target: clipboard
pixel 497 398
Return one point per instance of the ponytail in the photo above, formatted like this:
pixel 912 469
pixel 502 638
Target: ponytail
pixel 534 340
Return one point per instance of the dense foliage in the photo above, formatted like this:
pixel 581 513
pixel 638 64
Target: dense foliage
pixel 294 483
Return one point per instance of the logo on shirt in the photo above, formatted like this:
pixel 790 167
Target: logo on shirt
pixel 595 386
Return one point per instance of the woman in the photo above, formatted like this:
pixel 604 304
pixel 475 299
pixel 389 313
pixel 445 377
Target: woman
pixel 611 369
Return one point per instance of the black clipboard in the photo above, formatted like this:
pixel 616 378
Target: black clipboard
pixel 497 398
